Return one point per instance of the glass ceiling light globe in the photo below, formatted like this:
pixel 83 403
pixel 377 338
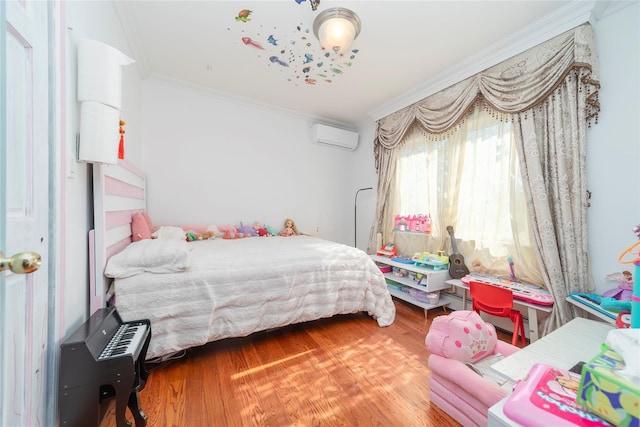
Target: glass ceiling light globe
pixel 336 28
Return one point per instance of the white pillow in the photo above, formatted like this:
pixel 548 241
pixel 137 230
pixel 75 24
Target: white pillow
pixel 149 255
pixel 169 232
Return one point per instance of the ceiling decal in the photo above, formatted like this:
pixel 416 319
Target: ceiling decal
pixel 294 51
pixel 249 42
pixel 243 15
pixel 314 3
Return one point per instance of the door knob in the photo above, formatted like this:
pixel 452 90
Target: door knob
pixel 21 263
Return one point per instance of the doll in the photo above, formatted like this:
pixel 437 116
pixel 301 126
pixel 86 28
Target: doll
pixel 624 290
pixel 289 228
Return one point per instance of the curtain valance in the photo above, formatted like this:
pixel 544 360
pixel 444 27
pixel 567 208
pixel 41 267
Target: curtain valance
pixel 513 86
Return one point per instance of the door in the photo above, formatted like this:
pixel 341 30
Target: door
pixel 24 208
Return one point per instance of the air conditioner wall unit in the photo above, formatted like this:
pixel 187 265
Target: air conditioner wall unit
pixel 329 135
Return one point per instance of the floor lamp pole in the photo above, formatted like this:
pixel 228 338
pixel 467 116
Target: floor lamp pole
pixel 355 217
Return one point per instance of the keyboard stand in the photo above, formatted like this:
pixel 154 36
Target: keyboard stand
pixel 532 309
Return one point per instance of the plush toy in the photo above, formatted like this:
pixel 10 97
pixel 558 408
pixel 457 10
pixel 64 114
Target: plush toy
pixel 228 231
pixel 216 232
pixel 271 230
pixel 190 236
pixel 246 231
pixel 262 232
pixel 205 235
pixel 289 228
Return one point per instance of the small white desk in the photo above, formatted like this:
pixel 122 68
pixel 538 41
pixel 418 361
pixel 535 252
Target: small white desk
pixel 532 309
pixel 577 341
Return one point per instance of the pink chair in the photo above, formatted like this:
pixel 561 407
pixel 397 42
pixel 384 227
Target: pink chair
pixel 454 340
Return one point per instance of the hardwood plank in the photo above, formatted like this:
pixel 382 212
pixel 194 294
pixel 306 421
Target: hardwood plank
pixel 340 371
pixel 264 361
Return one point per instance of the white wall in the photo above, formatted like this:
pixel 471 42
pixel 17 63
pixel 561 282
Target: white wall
pixel 364 175
pixel 211 160
pixel 613 152
pixel 95 20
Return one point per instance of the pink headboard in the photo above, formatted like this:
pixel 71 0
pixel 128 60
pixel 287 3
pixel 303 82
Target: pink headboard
pixel 118 192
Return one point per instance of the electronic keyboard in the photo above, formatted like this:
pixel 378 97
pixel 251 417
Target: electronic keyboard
pixel 522 291
pixel 592 301
pixel 104 358
pixel 126 341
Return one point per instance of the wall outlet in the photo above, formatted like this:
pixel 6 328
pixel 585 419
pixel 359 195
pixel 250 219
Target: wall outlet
pixel 71 167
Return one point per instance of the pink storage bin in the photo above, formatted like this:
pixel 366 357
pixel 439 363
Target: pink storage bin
pixel 385 268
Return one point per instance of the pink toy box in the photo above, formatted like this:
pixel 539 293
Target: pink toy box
pixel 547 397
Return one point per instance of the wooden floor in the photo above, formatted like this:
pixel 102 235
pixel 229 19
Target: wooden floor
pixel 342 371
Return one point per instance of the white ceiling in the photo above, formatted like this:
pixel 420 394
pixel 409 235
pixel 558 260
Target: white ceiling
pixel 404 46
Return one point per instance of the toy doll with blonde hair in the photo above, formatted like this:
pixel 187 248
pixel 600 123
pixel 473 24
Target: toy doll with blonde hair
pixel 289 228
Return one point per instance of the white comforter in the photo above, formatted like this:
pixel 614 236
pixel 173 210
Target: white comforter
pixel 236 287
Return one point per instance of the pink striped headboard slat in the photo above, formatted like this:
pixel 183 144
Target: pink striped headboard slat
pixel 119 191
pixel 115 187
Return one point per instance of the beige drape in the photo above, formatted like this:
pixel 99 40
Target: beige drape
pixel 551 93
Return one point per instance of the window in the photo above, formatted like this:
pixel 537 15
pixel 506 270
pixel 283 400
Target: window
pixel 469 179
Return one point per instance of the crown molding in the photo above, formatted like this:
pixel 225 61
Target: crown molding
pixel 242 101
pixel 564 19
pixel 604 8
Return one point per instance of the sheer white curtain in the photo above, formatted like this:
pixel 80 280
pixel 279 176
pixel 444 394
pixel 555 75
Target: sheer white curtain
pixel 470 178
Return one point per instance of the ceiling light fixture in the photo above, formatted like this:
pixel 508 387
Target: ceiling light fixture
pixel 336 28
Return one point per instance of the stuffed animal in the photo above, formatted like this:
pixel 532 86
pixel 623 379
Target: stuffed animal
pixel 246 231
pixel 262 232
pixel 229 231
pixel 216 232
pixel 205 235
pixel 271 230
pixel 190 236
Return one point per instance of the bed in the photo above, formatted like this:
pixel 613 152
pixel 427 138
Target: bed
pixel 219 288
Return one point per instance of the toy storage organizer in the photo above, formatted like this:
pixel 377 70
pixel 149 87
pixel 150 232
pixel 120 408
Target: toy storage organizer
pixel 424 293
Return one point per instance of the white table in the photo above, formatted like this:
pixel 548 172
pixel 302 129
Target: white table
pixel 532 309
pixel 497 418
pixel 577 341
